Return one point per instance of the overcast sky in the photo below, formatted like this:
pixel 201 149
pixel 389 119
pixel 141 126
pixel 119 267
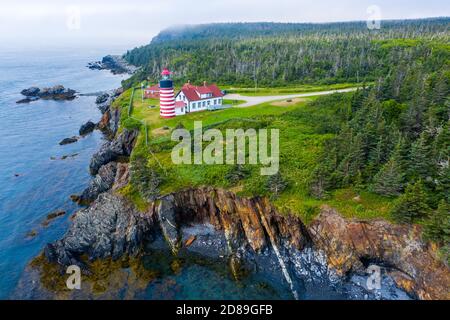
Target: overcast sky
pixel 135 22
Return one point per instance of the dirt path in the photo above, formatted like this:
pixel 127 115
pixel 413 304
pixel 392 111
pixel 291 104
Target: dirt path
pixel 253 101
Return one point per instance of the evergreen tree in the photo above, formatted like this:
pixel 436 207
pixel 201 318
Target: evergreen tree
pixel 437 228
pixel 411 205
pixel 441 89
pixel 389 180
pixel 146 180
pixel 276 185
pixel 420 165
pixel 236 173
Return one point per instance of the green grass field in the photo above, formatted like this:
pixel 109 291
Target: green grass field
pixel 303 127
pixel 289 90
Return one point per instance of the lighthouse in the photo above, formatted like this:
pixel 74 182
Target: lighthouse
pixel 166 96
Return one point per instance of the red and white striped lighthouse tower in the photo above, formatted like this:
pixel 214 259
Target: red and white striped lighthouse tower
pixel 166 96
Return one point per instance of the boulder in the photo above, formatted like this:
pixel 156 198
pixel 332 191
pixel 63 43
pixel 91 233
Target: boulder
pixel 102 98
pixel 68 140
pixel 86 128
pixel 31 92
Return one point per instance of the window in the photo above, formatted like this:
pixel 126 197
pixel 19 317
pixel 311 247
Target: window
pixel 204 103
pixel 209 102
pixel 193 106
pixel 215 101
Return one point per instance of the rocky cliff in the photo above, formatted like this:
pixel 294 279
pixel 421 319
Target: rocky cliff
pixel 121 146
pixel 252 235
pixel 350 245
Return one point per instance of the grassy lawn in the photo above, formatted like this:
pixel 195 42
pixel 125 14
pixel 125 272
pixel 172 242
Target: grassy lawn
pixel 288 90
pixel 304 127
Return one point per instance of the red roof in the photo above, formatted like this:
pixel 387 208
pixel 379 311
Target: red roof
pixel 165 72
pixel 193 93
pixel 180 104
pixel 153 88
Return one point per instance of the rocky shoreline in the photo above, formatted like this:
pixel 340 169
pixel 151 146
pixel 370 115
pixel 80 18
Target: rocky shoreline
pixel 114 63
pixel 248 234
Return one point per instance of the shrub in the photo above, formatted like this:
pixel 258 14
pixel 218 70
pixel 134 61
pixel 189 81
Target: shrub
pixel 145 179
pixel 237 173
pixel 276 185
pixel 130 124
pixel 411 205
pixel 437 228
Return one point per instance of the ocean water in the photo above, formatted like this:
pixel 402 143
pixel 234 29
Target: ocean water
pixel 29 137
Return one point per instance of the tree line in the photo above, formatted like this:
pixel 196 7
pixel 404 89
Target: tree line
pixel 280 54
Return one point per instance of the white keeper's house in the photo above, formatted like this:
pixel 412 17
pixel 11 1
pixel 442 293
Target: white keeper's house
pixel 197 98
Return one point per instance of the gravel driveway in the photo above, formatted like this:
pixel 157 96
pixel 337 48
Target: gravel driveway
pixel 253 101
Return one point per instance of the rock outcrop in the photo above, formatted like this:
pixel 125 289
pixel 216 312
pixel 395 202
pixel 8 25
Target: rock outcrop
pixel 68 140
pixel 112 150
pixel 254 236
pixel 31 92
pixel 114 121
pixel 122 176
pixel 245 223
pixel 27 100
pixel 110 227
pixel 251 222
pixel 103 124
pixel 350 245
pixel 57 92
pixel 104 102
pixel 86 128
pixel 102 98
pixel 116 64
pixel 102 182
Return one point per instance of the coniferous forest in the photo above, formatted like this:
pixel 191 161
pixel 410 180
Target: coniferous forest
pixel 278 54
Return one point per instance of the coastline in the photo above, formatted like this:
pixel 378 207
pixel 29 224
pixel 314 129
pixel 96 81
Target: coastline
pixel 329 231
pixel 247 232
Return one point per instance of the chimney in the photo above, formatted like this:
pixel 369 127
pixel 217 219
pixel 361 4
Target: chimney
pixel 204 83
